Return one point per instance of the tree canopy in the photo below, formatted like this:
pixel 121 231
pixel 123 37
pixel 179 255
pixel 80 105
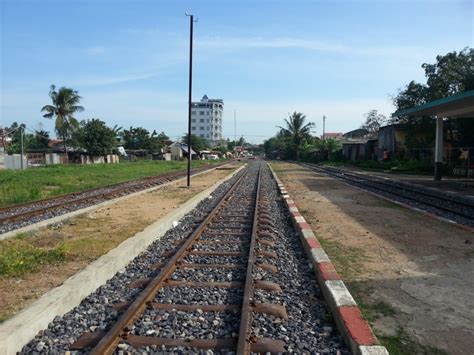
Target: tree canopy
pixel 373 121
pixel 96 138
pixel 65 104
pixel 296 132
pixel 137 138
pixel 452 73
pixel 197 143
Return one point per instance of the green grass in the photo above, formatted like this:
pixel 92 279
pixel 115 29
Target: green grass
pixel 347 260
pixel 402 344
pixel 34 184
pixel 17 257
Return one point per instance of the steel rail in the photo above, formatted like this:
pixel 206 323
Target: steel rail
pixel 81 196
pixel 406 186
pixel 109 341
pixel 243 344
pixel 386 188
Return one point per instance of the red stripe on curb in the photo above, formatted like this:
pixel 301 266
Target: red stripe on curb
pixel 327 271
pixel 357 327
pixel 313 243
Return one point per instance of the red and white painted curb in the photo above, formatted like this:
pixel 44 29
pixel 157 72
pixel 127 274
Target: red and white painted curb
pixel 354 329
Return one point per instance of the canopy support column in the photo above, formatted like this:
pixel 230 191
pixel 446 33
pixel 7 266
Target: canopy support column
pixel 439 148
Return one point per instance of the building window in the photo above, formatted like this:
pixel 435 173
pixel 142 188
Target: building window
pixel 201 135
pixel 193 128
pixel 207 128
pixel 201 113
pixel 193 112
pixel 207 113
pixel 201 120
pixel 201 128
pixel 193 120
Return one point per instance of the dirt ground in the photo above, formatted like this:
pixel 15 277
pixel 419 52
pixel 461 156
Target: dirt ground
pixel 409 272
pixel 89 236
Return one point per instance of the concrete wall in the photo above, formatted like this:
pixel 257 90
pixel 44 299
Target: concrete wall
pixel 14 162
pixel 2 158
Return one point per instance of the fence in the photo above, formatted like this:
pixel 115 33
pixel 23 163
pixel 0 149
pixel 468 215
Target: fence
pixel 459 161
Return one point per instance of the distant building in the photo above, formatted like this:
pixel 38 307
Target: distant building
pixel 334 135
pixel 206 119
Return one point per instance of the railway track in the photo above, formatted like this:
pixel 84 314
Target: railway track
pixel 17 216
pixel 231 278
pixel 460 210
pixel 237 232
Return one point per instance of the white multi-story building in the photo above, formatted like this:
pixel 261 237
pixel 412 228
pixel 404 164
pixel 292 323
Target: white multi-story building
pixel 206 119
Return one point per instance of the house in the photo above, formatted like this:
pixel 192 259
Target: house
pixel 179 151
pixel 333 135
pixel 361 149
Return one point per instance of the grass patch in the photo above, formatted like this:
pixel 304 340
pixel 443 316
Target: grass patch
pixel 18 256
pixel 18 186
pixel 402 344
pixel 374 311
pixel 349 261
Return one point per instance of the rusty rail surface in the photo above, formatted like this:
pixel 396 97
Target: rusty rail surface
pixel 25 211
pixel 260 225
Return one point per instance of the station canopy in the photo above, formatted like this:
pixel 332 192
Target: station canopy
pixel 459 105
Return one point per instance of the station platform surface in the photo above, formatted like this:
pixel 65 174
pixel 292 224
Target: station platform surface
pixel 463 187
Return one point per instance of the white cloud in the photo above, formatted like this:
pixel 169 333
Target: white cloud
pixel 95 50
pixel 238 43
pixel 108 80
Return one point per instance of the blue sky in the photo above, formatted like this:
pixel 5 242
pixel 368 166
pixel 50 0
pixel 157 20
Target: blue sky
pixel 128 59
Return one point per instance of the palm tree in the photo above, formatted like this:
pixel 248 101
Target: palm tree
pixel 296 131
pixel 65 105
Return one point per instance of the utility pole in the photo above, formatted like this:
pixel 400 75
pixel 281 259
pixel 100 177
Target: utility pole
pixel 235 132
pixel 21 145
pixel 191 21
pixel 324 127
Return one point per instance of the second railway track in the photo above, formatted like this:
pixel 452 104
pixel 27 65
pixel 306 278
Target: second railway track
pixel 17 216
pixel 457 209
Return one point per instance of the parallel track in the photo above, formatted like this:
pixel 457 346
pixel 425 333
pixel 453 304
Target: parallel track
pixel 15 215
pixel 240 219
pixel 423 198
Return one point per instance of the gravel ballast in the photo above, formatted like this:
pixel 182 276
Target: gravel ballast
pixel 309 327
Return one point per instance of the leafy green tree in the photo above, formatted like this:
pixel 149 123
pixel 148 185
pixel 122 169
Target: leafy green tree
pixel 96 138
pixel 162 138
pixel 373 121
pixel 14 132
pixel 452 73
pixel 39 140
pixel 197 143
pixel 136 138
pixel 65 104
pixel 297 131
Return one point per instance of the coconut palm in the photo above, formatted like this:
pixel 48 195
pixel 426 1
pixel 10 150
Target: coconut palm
pixel 296 131
pixel 65 105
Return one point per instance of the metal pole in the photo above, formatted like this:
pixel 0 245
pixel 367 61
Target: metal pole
pixel 21 144
pixel 324 127
pixel 235 133
pixel 191 20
